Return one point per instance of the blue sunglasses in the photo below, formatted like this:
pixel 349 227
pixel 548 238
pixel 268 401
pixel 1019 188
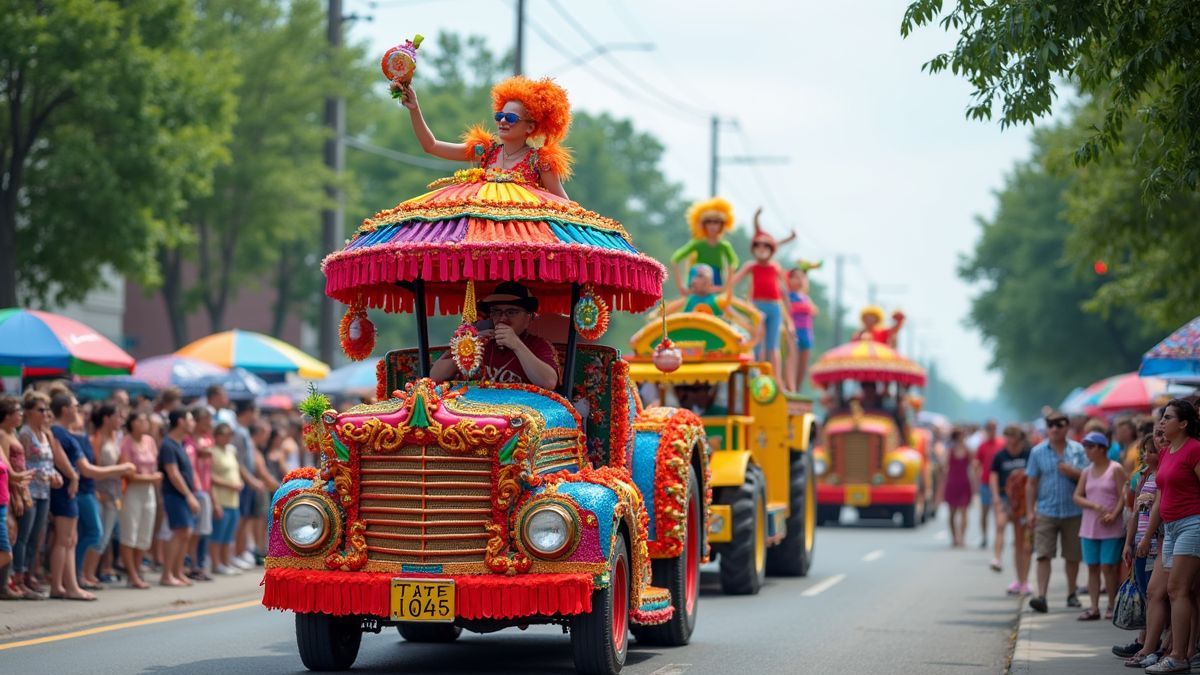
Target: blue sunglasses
pixel 511 118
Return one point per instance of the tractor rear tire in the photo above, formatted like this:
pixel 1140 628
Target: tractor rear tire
pixel 793 556
pixel 743 559
pixel 672 574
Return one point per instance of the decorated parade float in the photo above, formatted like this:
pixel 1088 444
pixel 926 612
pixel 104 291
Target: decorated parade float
pixel 763 514
pixel 871 456
pixel 475 504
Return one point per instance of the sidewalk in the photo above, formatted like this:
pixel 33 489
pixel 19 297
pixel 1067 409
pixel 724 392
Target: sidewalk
pixel 23 618
pixel 1056 643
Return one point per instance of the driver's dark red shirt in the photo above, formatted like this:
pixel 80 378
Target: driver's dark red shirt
pixel 502 365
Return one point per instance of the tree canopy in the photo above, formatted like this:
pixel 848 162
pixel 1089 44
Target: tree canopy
pixel 112 120
pixel 1142 57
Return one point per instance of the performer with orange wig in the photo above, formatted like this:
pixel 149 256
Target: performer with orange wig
pixel 709 220
pixel 532 118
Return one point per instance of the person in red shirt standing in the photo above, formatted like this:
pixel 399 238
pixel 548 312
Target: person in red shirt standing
pixel 1178 509
pixel 512 354
pixel 987 449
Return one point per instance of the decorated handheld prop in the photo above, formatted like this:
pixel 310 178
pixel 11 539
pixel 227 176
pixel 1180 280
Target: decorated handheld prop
pixel 400 64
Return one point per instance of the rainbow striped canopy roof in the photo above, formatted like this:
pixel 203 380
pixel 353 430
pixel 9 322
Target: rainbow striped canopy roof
pixel 482 226
pixel 867 361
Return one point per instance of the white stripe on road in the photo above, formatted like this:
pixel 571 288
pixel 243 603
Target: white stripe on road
pixel 672 669
pixel 873 555
pixel 824 586
pixel 942 535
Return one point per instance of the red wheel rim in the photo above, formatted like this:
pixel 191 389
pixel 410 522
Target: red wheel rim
pixel 692 556
pixel 620 600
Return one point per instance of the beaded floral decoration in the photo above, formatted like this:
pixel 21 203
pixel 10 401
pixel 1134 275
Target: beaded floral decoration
pixel 466 347
pixel 357 333
pixel 591 315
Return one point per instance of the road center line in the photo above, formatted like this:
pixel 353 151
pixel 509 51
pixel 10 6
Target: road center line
pixel 129 624
pixel 672 669
pixel 942 535
pixel 824 586
pixel 873 555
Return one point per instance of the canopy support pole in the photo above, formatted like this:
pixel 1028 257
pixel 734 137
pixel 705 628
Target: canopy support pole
pixel 572 338
pixel 418 288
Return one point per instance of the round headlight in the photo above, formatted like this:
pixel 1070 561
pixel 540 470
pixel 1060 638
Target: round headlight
pixel 549 530
pixel 820 467
pixel 895 468
pixel 305 525
pixel 716 523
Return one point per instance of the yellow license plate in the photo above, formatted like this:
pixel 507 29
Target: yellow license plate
pixel 858 495
pixel 429 600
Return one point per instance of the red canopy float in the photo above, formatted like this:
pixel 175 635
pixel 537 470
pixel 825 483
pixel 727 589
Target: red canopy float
pixel 867 361
pixel 473 227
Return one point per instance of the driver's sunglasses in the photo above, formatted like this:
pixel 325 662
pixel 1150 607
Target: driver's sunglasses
pixel 1057 424
pixel 511 118
pixel 509 314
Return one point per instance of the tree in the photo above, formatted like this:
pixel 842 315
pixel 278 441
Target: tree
pixel 262 213
pixel 1031 309
pixel 1140 56
pixel 111 122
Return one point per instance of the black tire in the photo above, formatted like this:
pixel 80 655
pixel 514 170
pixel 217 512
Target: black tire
pixel 829 515
pixel 328 642
pixel 592 635
pixel 672 574
pixel 908 516
pixel 793 556
pixel 743 559
pixel 428 632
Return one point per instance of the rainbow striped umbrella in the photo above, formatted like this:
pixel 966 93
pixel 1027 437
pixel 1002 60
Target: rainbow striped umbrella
pixel 254 352
pixel 868 361
pixel 41 343
pixel 1126 392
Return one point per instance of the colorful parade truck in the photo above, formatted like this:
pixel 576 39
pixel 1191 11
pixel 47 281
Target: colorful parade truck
pixel 871 457
pixel 763 514
pixel 481 503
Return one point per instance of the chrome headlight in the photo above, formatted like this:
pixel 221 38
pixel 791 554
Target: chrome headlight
pixel 550 530
pixel 820 467
pixel 895 468
pixel 305 525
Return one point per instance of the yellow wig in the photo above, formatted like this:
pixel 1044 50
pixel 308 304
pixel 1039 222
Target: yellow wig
pixel 715 206
pixel 873 310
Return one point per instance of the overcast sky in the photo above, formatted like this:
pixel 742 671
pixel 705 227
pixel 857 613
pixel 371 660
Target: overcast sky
pixel 883 165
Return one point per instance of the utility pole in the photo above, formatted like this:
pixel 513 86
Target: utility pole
pixel 712 157
pixel 838 263
pixel 519 48
pixel 335 158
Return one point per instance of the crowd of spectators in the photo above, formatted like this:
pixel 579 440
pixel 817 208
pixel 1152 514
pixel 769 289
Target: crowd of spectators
pixel 156 490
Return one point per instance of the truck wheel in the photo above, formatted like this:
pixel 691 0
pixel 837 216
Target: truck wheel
pixel 829 515
pixel 680 575
pixel 599 639
pixel 744 558
pixel 328 642
pixel 908 516
pixel 413 631
pixel 793 556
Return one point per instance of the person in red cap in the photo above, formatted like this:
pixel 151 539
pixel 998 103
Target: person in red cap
pixel 768 288
pixel 511 354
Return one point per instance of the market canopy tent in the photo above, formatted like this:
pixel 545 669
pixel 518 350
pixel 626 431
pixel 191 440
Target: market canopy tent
pixel 41 343
pixel 255 352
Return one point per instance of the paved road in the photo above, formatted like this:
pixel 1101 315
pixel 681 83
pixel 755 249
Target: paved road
pixel 878 600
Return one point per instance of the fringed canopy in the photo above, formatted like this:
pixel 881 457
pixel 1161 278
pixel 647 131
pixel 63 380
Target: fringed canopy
pixel 480 226
pixel 867 361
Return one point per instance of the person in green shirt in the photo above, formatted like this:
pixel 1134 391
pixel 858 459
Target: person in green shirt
pixel 709 221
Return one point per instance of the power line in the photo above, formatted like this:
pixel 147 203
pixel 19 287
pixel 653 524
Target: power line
pixel 403 158
pixel 674 103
